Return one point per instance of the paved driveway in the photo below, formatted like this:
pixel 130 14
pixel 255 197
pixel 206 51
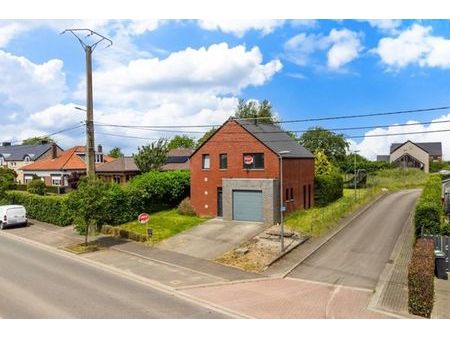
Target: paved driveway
pixel 212 238
pixel 358 254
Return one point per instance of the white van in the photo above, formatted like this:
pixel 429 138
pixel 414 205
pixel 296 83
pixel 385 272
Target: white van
pixel 11 215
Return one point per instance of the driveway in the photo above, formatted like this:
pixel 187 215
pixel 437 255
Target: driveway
pixel 212 238
pixel 358 254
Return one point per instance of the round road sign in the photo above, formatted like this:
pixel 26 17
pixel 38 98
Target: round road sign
pixel 143 218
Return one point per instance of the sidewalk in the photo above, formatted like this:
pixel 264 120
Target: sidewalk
pixel 441 308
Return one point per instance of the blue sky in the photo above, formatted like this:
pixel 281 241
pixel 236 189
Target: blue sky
pixel 174 72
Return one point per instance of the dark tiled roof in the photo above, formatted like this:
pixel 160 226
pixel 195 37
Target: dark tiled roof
pixel 432 148
pixel 121 164
pixel 18 152
pixel 275 139
pixel 381 158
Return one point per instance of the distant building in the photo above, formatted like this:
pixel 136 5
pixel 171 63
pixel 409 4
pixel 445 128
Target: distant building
pixel 119 170
pixel 177 159
pixel 413 155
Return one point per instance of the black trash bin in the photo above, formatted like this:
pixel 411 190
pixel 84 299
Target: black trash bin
pixel 440 267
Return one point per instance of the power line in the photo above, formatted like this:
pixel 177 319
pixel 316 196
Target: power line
pixel 274 132
pixel 341 117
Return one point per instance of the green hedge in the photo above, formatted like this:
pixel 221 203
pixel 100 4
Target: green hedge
pixel 421 279
pixel 51 209
pixel 429 210
pixel 327 189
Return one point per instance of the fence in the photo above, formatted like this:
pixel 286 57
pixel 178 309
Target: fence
pixel 441 243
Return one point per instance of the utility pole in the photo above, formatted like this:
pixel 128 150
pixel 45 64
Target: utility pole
pixel 88 49
pixel 282 207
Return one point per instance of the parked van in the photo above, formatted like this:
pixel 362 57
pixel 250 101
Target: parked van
pixel 11 215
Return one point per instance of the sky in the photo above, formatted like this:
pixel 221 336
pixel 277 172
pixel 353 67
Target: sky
pixel 192 72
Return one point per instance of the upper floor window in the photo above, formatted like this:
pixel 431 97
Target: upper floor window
pixel 27 159
pixel 205 161
pixel 253 161
pixel 223 161
pixel 98 158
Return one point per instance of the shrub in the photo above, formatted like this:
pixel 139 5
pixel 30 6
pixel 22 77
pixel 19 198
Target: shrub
pixel 51 209
pixel 185 207
pixel 429 212
pixel 421 279
pixel 36 186
pixel 328 188
pixel 161 189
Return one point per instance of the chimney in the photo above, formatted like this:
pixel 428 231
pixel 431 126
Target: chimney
pixel 54 151
pixel 6 144
pixel 99 149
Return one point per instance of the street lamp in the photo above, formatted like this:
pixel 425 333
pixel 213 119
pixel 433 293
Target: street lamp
pixel 354 177
pixel 280 155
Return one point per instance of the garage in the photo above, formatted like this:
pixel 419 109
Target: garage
pixel 248 205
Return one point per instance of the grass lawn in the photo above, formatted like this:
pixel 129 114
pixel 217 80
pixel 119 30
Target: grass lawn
pixel 165 224
pixel 318 221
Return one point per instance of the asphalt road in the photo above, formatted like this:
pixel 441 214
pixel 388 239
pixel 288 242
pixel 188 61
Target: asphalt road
pixel 36 283
pixel 358 254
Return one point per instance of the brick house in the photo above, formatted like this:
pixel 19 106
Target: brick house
pixel 235 173
pixel 17 156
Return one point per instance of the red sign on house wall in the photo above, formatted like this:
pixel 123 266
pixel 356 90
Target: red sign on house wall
pixel 248 159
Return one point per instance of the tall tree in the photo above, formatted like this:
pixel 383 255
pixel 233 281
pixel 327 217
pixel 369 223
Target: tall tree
pixel 181 141
pixel 334 145
pixel 116 152
pixel 152 156
pixel 38 140
pixel 322 166
pixel 263 111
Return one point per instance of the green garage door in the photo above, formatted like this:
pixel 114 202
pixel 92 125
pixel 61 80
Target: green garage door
pixel 247 205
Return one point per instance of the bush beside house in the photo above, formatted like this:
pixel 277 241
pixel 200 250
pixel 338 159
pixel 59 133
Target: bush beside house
pixel 36 186
pixel 421 279
pixel 327 189
pixel 429 211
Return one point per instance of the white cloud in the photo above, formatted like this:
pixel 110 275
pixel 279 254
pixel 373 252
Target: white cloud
pixel 9 31
pixel 342 46
pixel 416 45
pixel 240 27
pixel 28 86
pixel 372 146
pixel 385 25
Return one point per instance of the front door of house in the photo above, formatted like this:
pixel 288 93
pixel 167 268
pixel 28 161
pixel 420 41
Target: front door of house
pixel 219 202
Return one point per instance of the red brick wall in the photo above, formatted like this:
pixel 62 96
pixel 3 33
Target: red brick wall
pixel 298 173
pixel 233 140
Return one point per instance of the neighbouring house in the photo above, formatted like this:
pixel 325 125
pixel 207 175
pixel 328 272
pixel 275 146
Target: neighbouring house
pixel 119 170
pixel 17 156
pixel 236 173
pixel 56 171
pixel 414 155
pixel 177 159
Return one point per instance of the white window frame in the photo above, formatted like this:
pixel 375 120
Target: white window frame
pixel 206 162
pixel 57 179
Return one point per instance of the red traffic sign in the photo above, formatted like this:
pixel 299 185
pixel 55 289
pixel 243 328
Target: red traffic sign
pixel 248 159
pixel 143 218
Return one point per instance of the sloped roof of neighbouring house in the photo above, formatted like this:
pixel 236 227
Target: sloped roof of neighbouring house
pixel 178 159
pixel 432 148
pixel 121 164
pixel 67 160
pixel 18 152
pixel 276 139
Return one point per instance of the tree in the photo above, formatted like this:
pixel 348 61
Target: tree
pixel 36 186
pixel 334 145
pixel 88 204
pixel 253 109
pixel 152 156
pixel 116 152
pixel 38 140
pixel 205 136
pixel 322 166
pixel 181 141
pixel 7 180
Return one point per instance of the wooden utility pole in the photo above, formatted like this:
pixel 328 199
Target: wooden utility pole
pixel 89 48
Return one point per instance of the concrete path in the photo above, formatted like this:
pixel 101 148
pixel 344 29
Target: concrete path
pixel 212 238
pixel 441 308
pixel 42 283
pixel 358 254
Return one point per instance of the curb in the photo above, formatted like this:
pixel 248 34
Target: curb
pixel 130 276
pixel 326 239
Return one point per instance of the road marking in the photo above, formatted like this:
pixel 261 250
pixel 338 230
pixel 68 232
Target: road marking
pixel 130 276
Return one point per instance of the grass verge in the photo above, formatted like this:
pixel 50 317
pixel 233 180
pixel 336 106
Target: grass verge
pixel 164 224
pixel 81 248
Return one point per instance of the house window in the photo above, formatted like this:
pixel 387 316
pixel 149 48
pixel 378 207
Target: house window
pixel 253 161
pixel 117 179
pixel 292 194
pixel 28 179
pixel 287 194
pixel 205 161
pixel 56 181
pixel 26 159
pixel 223 161
pixel 98 158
